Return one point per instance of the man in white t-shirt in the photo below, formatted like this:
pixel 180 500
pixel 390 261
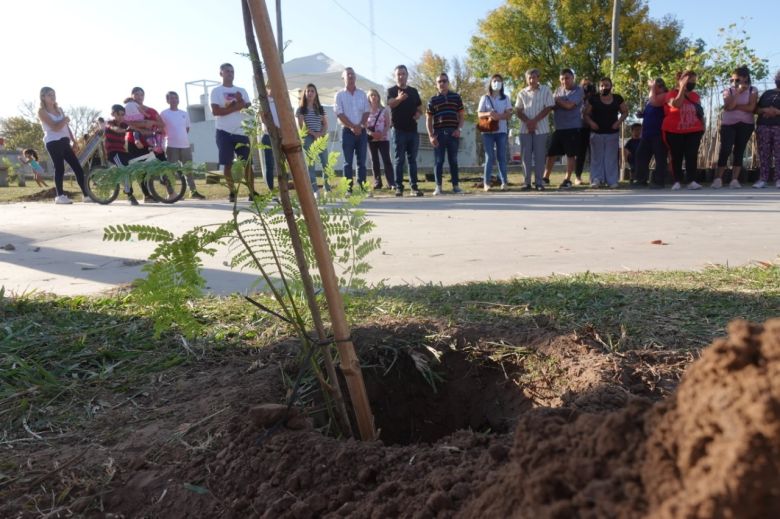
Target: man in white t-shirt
pixel 227 101
pixel 177 140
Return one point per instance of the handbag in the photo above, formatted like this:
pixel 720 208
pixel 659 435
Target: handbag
pixel 485 123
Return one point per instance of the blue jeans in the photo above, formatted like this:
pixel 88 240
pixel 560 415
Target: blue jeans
pixel 307 142
pixel 268 161
pixel 353 145
pixel 495 144
pixel 406 145
pixel 448 144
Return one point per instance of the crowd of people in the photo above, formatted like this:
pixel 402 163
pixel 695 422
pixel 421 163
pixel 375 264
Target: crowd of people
pixel 586 120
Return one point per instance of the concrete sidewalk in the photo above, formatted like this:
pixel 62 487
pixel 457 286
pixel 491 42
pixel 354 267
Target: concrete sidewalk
pixel 446 239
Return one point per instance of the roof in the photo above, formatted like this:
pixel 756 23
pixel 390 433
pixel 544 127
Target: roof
pixel 324 73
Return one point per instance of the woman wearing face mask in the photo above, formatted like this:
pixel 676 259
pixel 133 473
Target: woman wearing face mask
pixel 604 114
pixel 736 125
pixel 683 128
pixel 768 133
pixel 496 105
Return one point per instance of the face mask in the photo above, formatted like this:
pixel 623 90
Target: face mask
pixel 606 91
pixel 690 86
pixel 497 85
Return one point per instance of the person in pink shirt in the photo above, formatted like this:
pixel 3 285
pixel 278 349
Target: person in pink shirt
pixel 736 125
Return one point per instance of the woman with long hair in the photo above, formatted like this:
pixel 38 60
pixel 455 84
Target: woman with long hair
pixel 311 115
pixel 683 128
pixel 736 125
pixel 57 137
pixel 652 143
pixel 378 126
pixel 496 105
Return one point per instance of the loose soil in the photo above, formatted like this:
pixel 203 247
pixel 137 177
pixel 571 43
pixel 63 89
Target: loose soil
pixel 474 422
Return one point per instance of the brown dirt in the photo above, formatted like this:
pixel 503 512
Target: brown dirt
pixel 521 424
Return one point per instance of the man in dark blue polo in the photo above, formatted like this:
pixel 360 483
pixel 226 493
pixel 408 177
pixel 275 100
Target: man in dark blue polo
pixel 444 121
pixel 405 109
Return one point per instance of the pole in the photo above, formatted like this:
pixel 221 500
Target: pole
pixel 291 146
pixel 615 31
pixel 279 38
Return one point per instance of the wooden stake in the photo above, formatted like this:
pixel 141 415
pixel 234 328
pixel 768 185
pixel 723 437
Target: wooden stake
pixel 291 146
pixel 342 418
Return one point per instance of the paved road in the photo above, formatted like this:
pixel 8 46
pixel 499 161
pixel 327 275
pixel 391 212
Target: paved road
pixel 446 239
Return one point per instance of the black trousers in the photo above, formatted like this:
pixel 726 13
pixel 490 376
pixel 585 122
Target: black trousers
pixel 382 148
pixel 582 150
pixel 650 147
pixel 60 153
pixel 733 137
pixel 684 147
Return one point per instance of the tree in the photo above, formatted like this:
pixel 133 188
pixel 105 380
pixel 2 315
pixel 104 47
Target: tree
pixel 21 133
pixel 553 34
pixel 423 76
pixel 82 118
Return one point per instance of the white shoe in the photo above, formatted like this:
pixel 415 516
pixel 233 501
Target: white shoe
pixel 87 200
pixel 503 187
pixel 717 183
pixel 577 181
pixel 759 185
pixel 62 199
pixel 437 191
pixel 734 184
pixel 487 187
pixel 676 186
pixel 694 185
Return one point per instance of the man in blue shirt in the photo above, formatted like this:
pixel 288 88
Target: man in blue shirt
pixel 567 117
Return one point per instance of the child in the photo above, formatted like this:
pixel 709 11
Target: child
pixel 629 150
pixel 30 156
pixel 116 145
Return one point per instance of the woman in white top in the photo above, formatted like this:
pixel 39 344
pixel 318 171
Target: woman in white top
pixel 57 137
pixel 378 127
pixel 498 107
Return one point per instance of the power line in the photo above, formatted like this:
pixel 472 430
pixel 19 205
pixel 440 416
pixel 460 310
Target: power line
pixel 372 32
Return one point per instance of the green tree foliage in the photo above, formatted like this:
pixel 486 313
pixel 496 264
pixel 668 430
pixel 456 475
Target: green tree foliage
pixel 423 76
pixel 20 133
pixel 553 34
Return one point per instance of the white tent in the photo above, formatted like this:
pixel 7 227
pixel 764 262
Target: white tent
pixel 325 74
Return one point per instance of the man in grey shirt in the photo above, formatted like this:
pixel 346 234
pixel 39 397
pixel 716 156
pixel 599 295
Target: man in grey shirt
pixel 567 116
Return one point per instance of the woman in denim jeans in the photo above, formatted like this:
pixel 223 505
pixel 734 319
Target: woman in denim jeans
pixel 311 115
pixel 496 105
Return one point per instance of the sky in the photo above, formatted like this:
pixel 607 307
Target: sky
pixel 92 52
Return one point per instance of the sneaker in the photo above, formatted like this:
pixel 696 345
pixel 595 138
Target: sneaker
pixel 540 188
pixel 487 187
pixel 717 183
pixel 676 186
pixel 250 198
pixel 437 191
pixel 504 187
pixel 132 199
pixel 614 186
pixel 349 192
pixel 149 200
pixel 566 184
pixel 197 196
pixel 759 185
pixel 694 185
pixel 546 181
pixel 399 191
pixel 595 184
pixel 734 184
pixel 85 199
pixel 232 198
pixel 62 199
pixel 316 196
pixel 525 188
pixel 577 181
pixel 416 192
pixel 457 190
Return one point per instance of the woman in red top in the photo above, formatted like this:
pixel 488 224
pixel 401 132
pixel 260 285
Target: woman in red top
pixel 683 128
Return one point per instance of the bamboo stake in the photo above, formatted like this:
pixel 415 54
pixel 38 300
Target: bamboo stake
pixel 291 146
pixel 295 237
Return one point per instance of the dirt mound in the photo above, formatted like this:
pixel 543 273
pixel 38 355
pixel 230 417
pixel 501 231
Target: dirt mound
pixel 712 450
pixel 46 195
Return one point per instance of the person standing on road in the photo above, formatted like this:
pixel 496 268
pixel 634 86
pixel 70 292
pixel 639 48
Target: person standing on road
pixel 311 116
pixel 57 137
pixel 227 101
pixel 651 143
pixel 768 133
pixel 583 148
pixel 379 141
pixel 444 122
pixel 177 140
pixel 405 108
pixel 683 128
pixel 604 114
pixel 352 110
pixel 533 104
pixel 567 116
pixel 496 105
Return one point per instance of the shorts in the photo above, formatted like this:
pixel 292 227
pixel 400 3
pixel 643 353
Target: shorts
pixel 178 154
pixel 564 142
pixel 229 145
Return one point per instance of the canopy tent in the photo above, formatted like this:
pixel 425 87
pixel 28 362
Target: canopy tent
pixel 324 73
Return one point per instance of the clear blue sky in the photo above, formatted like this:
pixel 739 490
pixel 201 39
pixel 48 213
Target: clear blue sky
pixel 94 51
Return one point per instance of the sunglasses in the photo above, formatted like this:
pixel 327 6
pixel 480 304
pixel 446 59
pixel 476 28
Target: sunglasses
pixel 442 81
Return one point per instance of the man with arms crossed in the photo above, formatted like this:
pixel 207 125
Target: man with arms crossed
pixel 567 116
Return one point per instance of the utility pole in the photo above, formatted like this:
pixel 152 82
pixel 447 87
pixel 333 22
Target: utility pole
pixel 615 31
pixel 279 38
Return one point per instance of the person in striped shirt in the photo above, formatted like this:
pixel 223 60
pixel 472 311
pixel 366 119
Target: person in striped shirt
pixel 444 121
pixel 311 115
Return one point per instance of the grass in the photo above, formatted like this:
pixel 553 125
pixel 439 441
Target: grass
pixel 56 353
pixel 220 192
